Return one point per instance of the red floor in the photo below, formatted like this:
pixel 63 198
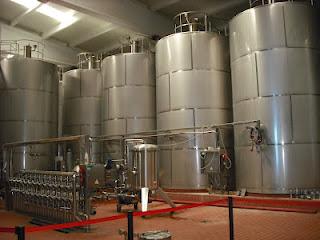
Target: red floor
pixel 198 223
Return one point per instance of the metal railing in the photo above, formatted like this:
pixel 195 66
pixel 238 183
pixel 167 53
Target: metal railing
pixel 191 21
pixel 88 60
pixel 10 48
pixel 255 3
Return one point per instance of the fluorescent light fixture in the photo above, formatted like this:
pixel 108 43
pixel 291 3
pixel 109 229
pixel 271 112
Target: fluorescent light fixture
pixel 27 3
pixel 10 56
pixel 56 14
pixel 65 18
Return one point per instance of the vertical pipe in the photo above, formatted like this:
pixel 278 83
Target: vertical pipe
pixel 231 229
pixel 133 47
pixel 90 62
pixel 74 192
pixel 130 225
pixel 27 51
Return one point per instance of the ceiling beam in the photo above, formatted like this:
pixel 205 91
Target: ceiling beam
pixel 7 24
pixel 36 34
pixel 59 28
pixel 162 4
pixel 91 35
pixel 129 14
pixel 18 19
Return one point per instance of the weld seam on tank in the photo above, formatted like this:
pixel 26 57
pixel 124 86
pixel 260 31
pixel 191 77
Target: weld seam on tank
pixel 83 97
pixel 273 49
pixel 204 108
pixel 133 85
pixel 194 69
pixel 29 121
pixel 276 95
pixel 28 90
pixel 138 118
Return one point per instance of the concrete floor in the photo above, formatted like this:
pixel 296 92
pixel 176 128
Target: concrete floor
pixel 198 223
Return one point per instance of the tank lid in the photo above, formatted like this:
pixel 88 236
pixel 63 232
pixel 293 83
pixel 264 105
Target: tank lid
pixel 147 147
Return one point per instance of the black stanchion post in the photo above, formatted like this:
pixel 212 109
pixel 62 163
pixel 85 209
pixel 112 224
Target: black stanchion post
pixel 231 229
pixel 130 225
pixel 20 231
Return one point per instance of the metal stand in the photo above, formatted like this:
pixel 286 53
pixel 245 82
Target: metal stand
pixel 165 197
pixel 130 225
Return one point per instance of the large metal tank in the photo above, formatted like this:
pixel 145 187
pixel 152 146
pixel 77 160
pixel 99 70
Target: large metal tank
pixel 128 96
pixel 193 90
pixel 28 106
pixel 275 61
pixel 82 106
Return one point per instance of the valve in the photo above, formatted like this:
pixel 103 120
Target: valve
pixel 226 161
pixel 255 138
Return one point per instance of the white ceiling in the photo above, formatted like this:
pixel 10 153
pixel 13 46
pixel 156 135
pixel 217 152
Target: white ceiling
pixel 104 24
pixel 223 9
pixel 87 33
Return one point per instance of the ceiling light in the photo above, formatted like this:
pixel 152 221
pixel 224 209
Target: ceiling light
pixel 10 56
pixel 66 18
pixel 27 3
pixel 55 13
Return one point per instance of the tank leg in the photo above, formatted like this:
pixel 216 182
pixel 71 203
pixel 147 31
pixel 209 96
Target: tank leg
pixel 118 207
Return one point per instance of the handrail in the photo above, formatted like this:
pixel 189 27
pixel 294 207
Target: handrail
pixel 255 3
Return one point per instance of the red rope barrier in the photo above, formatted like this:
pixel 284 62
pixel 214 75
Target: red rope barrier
pixel 117 217
pixel 279 202
pixel 7 230
pixel 74 224
pixel 219 202
pixel 167 210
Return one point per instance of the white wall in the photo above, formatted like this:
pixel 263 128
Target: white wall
pixel 56 53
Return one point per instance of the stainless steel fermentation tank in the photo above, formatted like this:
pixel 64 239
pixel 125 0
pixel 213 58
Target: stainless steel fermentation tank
pixel 193 90
pixel 82 106
pixel 28 106
pixel 128 97
pixel 275 59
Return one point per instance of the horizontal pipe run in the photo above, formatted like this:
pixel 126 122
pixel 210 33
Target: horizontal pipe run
pixel 172 132
pixel 43 141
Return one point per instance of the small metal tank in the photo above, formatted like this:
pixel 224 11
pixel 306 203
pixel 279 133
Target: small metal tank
pixel 143 167
pixel 28 106
pixel 82 102
pixel 128 95
pixel 275 59
pixel 193 90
